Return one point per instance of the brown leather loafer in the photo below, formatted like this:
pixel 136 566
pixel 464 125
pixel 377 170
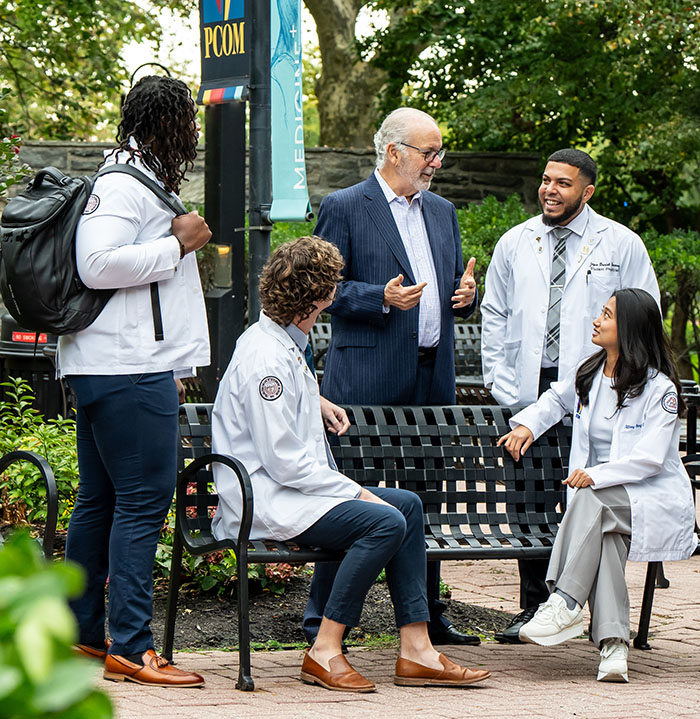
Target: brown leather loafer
pixel 156 672
pixel 91 653
pixel 341 677
pixel 411 674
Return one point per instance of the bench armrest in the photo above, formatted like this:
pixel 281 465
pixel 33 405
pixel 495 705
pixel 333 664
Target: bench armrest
pixel 186 476
pixel 51 491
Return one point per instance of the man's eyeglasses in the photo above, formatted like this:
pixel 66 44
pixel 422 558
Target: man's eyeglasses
pixel 429 155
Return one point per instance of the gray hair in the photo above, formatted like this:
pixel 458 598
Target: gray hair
pixel 395 129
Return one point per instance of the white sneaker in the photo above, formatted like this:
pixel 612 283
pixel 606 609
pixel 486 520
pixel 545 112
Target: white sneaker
pixel 553 623
pixel 613 661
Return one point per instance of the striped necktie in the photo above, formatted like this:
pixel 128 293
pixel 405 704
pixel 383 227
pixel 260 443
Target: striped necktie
pixel 556 289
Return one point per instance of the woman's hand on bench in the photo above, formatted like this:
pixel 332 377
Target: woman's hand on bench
pixel 517 441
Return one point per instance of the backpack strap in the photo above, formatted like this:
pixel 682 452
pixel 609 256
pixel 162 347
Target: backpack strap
pixel 173 204
pixel 170 200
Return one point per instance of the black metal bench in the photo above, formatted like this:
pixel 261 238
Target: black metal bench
pixel 478 503
pixel 51 493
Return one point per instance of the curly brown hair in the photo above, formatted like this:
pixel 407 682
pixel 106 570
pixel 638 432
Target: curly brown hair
pixel 297 275
pixel 160 114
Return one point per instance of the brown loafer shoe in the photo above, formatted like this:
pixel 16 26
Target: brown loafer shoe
pixel 91 653
pixel 341 677
pixel 411 674
pixel 156 671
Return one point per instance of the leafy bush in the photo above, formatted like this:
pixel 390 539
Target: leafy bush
pixel 23 427
pixel 283 232
pixel 39 674
pixel 482 224
pixel 216 572
pixel 676 260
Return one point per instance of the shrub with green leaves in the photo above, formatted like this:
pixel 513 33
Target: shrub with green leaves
pixel 216 572
pixel 23 427
pixel 40 676
pixel 481 226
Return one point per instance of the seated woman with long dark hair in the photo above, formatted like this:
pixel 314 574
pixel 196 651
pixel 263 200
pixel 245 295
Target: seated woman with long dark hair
pixel 629 494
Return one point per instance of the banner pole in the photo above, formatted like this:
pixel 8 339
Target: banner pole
pixel 260 169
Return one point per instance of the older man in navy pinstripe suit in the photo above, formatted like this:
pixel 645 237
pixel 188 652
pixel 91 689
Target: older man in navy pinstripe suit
pixel 393 315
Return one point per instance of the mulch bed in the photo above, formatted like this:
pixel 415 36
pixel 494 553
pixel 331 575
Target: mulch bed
pixel 209 621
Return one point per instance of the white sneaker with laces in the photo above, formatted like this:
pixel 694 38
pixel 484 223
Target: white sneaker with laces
pixel 613 661
pixel 553 623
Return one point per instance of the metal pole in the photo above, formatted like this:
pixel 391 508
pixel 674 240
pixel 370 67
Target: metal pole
pixel 260 170
pixel 224 189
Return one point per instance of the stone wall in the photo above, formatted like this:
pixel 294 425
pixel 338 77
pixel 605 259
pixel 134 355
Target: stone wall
pixel 464 176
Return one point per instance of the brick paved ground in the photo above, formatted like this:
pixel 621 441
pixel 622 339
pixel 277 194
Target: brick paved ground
pixel 528 681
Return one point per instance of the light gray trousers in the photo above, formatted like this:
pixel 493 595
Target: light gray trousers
pixel 589 557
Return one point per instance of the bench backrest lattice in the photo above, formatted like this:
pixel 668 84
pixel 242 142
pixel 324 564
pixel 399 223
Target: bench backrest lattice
pixel 477 501
pixel 467 350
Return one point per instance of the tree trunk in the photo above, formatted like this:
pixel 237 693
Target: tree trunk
pixel 348 88
pixel 679 326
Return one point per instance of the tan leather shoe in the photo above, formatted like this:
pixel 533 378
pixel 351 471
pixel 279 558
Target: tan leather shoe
pixel 411 674
pixel 156 671
pixel 341 677
pixel 91 653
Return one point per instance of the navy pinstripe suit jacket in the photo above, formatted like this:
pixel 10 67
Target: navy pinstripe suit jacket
pixel 373 356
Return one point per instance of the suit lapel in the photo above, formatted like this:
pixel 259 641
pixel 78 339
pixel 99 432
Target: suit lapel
pixel 380 212
pixel 432 227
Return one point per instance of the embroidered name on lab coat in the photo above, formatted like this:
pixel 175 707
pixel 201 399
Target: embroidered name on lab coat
pixel 605 267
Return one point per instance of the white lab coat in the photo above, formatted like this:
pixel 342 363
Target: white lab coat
pixel 124 239
pixel 514 308
pixel 644 458
pixel 281 441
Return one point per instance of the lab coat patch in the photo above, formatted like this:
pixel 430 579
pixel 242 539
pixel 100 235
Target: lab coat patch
pixel 91 205
pixel 270 388
pixel 670 402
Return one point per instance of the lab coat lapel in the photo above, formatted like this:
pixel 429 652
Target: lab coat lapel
pixel 584 446
pixel 538 244
pixel 590 240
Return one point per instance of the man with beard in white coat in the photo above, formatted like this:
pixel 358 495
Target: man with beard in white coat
pixel 547 280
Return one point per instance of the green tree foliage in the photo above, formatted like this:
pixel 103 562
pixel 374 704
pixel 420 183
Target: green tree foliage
pixel 61 59
pixel 11 169
pixel 618 77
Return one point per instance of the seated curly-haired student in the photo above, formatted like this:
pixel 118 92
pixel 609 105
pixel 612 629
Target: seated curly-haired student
pixel 629 494
pixel 269 414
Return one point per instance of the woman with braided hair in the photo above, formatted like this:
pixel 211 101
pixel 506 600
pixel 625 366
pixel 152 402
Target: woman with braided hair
pixel 123 369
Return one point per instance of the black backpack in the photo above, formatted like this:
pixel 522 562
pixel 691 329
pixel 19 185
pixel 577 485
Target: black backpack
pixel 39 278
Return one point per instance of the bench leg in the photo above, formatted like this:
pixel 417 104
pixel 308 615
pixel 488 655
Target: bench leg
pixel 245 680
pixel 171 606
pixel 641 640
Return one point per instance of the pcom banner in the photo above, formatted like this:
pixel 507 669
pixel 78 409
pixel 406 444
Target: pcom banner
pixel 290 195
pixel 225 48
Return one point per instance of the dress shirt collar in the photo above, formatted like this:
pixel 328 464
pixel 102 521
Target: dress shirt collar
pixel 579 224
pixel 300 339
pixel 391 195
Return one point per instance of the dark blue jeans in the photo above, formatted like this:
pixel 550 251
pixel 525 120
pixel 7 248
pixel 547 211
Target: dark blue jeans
pixel 376 537
pixel 127 453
